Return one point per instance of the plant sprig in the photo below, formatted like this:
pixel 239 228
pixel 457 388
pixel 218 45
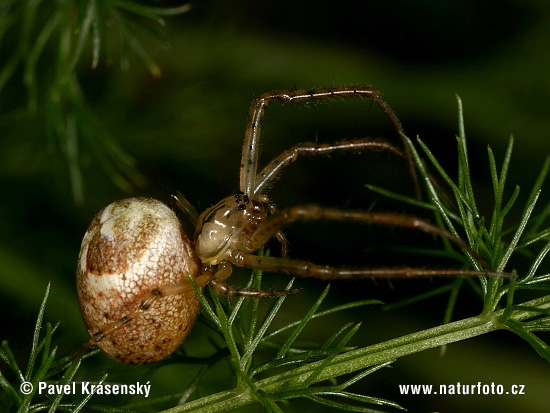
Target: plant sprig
pixel 41 366
pixel 53 39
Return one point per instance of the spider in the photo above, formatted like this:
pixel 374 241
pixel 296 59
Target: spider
pixel 132 279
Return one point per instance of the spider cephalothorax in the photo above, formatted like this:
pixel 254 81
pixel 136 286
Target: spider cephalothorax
pixel 228 225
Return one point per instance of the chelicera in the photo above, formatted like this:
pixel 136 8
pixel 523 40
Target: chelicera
pixel 135 295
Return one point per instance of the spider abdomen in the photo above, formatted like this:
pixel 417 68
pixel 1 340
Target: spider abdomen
pixel 132 247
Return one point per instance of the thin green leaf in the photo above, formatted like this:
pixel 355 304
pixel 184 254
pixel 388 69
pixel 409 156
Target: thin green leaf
pixel 29 76
pixel 453 231
pixel 401 198
pixel 227 330
pixel 509 301
pixel 293 360
pixel 135 45
pixel 70 149
pixel 539 345
pixel 465 176
pixel 543 235
pixel 453 298
pixel 266 402
pixel 461 128
pixel 422 169
pixel 84 401
pixel 36 336
pixel 539 279
pixel 83 33
pixel 517 235
pixel 339 406
pixel 46 342
pixel 338 349
pixel 493 229
pixel 494 174
pixel 363 399
pixel 534 287
pixel 328 342
pixel 531 310
pixel 420 297
pixel 40 376
pixel 249 349
pixel 456 191
pixel 116 162
pixel 509 204
pixel 96 33
pixel 540 180
pixel 469 227
pixel 8 357
pixel 323 313
pixel 194 385
pixel 10 391
pixel 363 374
pixel 29 18
pixel 541 324
pixel 303 322
pixel 67 377
pixel 254 311
pixel 536 263
pixel 204 302
pixel 505 165
pixel 431 189
pixel 151 12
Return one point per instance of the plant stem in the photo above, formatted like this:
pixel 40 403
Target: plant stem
pixel 365 357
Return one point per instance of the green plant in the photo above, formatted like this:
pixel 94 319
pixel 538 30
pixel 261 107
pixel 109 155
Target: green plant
pixel 42 366
pixel 295 370
pixel 55 98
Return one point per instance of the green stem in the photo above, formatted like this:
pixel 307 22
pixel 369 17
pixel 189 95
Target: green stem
pixel 365 357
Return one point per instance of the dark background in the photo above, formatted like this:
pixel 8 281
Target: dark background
pixel 185 130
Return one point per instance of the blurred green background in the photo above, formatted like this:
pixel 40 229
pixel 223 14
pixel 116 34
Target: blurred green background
pixel 185 130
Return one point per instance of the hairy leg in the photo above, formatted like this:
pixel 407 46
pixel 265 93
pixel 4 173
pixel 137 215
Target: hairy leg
pixel 249 159
pixel 272 170
pixel 280 218
pixel 325 272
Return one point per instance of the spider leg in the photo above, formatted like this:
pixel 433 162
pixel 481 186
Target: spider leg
pixel 190 216
pixel 224 271
pixel 181 202
pixel 272 170
pixel 325 272
pixel 273 223
pixel 280 235
pixel 249 159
